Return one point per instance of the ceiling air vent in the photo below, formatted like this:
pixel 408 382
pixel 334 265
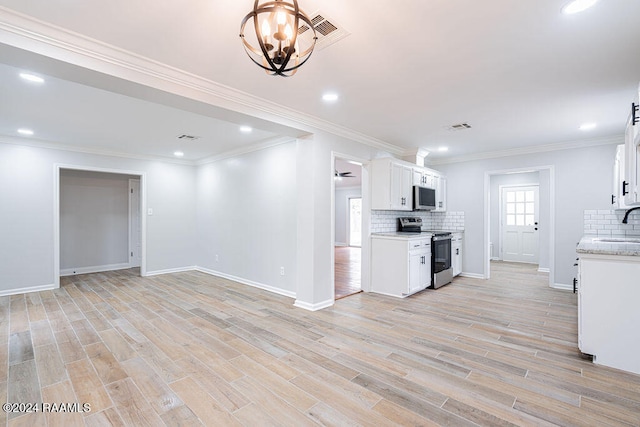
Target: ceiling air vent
pixel 186 137
pixel 459 126
pixel 327 29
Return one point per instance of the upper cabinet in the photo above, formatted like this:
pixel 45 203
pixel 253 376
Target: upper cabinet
pixel 619 179
pixel 441 194
pixel 392 184
pixel 632 157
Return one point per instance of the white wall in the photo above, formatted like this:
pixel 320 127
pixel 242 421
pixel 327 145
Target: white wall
pixel 27 203
pixel 315 229
pixel 342 212
pixel 94 220
pixel 247 215
pixel 582 181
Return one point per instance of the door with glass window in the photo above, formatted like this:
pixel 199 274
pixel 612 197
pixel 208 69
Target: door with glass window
pixel 355 221
pixel 520 241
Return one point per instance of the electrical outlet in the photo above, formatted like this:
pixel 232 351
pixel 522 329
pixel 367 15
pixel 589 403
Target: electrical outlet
pixel 217 259
pixel 282 271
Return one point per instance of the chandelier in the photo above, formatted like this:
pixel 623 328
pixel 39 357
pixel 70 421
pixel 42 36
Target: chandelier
pixel 282 39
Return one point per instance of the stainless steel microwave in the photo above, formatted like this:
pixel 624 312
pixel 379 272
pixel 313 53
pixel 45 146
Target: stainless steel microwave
pixel 424 198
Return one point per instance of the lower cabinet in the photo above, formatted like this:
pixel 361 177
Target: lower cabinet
pixel 608 315
pixel 401 266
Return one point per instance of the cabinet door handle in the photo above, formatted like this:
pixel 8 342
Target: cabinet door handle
pixel 624 188
pixel 575 284
pixel 613 199
pixel 634 114
pixel 457 251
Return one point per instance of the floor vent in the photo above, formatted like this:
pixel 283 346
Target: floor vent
pixel 186 137
pixel 327 29
pixel 459 126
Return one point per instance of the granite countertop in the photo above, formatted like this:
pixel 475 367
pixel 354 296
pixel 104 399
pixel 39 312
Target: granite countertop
pixel 424 233
pixel 404 235
pixel 627 246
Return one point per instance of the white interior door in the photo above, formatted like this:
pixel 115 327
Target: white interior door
pixel 520 238
pixel 355 221
pixel 135 224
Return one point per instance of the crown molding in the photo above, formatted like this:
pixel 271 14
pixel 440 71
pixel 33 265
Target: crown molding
pixel 30 34
pixel 39 143
pixel 267 143
pixel 533 149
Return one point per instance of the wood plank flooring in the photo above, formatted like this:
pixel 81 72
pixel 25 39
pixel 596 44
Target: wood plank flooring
pixel 347 271
pixel 191 349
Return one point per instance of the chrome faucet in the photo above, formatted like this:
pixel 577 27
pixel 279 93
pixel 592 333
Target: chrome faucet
pixel 626 215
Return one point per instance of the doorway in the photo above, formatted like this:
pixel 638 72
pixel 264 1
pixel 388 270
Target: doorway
pixel 519 222
pixel 347 228
pixel 98 220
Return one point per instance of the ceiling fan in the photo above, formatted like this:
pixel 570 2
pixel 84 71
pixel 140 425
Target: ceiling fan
pixel 339 175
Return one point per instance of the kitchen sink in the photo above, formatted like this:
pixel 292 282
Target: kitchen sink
pixel 617 239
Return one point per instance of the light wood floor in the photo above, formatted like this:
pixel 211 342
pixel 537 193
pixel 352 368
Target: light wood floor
pixel 188 348
pixel 347 271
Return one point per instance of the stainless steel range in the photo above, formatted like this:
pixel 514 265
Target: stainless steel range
pixel 441 269
pixel 441 259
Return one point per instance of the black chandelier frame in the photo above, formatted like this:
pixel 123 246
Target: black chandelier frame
pixel 279 63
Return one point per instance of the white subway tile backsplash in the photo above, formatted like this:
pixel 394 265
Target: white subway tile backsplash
pixel 386 221
pixel 609 223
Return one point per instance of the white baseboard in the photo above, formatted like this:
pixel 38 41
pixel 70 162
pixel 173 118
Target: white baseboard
pixel 269 288
pixel 472 275
pixel 562 286
pixel 313 307
pixel 17 291
pixel 495 258
pixel 94 269
pixel 543 270
pixel 341 244
pixel 170 270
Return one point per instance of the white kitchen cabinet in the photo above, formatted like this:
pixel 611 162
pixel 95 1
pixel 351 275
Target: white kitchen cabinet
pixel 391 185
pixel 424 177
pixel 441 193
pixel 400 266
pixel 617 196
pixel 632 157
pixel 608 315
pixel 456 253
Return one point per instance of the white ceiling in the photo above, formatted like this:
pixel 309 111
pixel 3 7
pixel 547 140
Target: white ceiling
pixel 519 72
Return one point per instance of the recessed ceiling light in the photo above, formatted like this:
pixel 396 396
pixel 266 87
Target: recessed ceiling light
pixel 577 6
pixel 32 78
pixel 443 149
pixel 330 97
pixel 245 129
pixel 178 153
pixel 27 132
pixel 587 126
